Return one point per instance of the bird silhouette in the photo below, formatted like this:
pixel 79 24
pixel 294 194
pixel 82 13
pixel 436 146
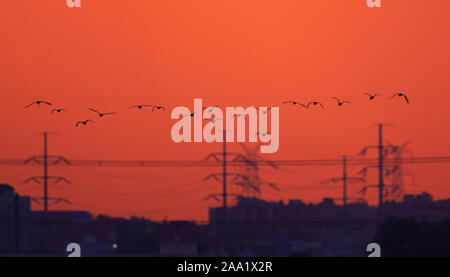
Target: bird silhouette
pixel 83 122
pixel 39 102
pixel 191 114
pixel 314 103
pixel 294 103
pixel 265 111
pixel 210 109
pixel 340 103
pixel 238 115
pixel 213 120
pixel 158 108
pixel 99 113
pixel 401 95
pixel 262 134
pixel 58 110
pixel 372 96
pixel 139 106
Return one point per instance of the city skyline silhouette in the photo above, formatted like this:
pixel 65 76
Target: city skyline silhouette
pixel 253 53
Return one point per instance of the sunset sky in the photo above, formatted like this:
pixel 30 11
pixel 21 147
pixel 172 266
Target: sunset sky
pixel 109 55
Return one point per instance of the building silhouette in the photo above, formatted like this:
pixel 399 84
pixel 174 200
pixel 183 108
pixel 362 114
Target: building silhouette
pixel 252 227
pixel 15 222
pixel 274 228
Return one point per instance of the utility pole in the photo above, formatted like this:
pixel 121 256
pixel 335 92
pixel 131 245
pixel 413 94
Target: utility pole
pixel 380 172
pixel 344 185
pixel 345 180
pixel 238 179
pixel 45 174
pixel 224 176
pixel 382 152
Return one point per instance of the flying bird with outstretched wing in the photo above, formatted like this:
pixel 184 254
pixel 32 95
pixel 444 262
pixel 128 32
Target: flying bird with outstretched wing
pixel 58 110
pixel 139 106
pixel 158 108
pixel 238 115
pixel 264 111
pixel 38 103
pixel 372 96
pixel 315 103
pixel 294 103
pixel 339 102
pixel 210 109
pixel 99 113
pixel 191 114
pixel 262 134
pixel 213 120
pixel 85 122
pixel 400 94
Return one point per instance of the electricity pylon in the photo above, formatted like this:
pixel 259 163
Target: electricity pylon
pixel 251 186
pixel 222 176
pixel 44 160
pixel 396 172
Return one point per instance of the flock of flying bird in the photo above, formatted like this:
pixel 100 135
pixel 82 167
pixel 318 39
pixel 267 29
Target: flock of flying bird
pixel 340 103
pixel 154 107
pixel 100 114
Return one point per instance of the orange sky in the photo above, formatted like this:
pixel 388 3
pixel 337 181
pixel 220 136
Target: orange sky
pixel 112 54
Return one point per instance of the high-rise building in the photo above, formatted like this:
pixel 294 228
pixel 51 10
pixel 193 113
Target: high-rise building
pixel 15 222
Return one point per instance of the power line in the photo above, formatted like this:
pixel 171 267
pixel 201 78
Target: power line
pixel 345 179
pixel 214 160
pixel 214 163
